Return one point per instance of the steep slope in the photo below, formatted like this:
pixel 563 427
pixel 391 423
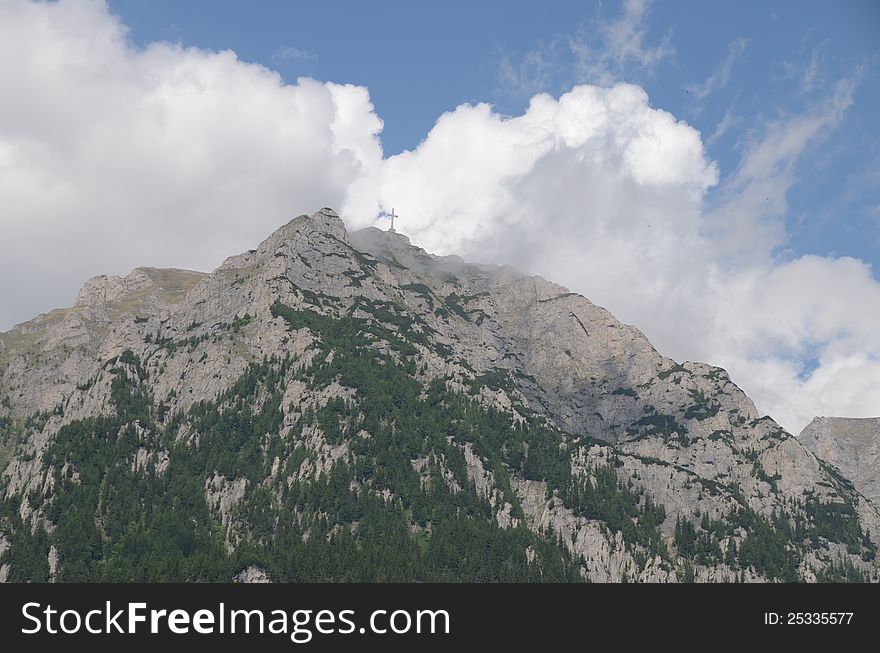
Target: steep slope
pixel 852 445
pixel 349 407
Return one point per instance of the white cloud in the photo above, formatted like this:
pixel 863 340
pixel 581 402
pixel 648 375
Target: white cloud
pixel 621 43
pixel 720 76
pixel 811 77
pixel 604 51
pixel 532 72
pixel 113 156
pixel 807 73
pixel 594 147
pixel 293 53
pixel 728 121
pixel 775 318
pixel 747 218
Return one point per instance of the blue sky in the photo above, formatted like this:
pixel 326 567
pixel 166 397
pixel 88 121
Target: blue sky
pixel 421 59
pixel 707 171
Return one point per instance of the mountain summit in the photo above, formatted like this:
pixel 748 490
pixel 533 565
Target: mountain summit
pixel 335 406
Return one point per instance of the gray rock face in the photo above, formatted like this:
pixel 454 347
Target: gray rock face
pixel 253 574
pixel 680 436
pixel 852 445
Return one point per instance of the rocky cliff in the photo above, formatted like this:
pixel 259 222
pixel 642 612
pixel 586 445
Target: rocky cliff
pixel 335 406
pixel 852 445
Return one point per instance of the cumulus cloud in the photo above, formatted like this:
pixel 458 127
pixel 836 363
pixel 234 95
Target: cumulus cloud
pixel 113 156
pixel 602 155
pixel 801 336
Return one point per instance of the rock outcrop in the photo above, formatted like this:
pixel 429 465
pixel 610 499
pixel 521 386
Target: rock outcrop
pixel 852 445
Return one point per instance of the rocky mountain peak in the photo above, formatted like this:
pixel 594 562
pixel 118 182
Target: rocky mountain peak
pixel 293 235
pixel 327 386
pixel 325 221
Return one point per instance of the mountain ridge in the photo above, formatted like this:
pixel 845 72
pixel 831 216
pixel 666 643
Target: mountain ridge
pixel 547 403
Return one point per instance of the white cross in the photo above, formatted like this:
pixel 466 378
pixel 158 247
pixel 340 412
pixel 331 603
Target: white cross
pixel 392 215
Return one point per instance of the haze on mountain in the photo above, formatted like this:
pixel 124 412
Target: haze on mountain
pixel 348 407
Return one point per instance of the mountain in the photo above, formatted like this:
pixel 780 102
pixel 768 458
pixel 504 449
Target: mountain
pixel 335 406
pixel 852 445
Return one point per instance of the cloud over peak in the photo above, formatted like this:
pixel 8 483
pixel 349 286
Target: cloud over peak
pixel 604 150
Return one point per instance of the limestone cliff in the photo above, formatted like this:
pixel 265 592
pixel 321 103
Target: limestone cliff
pixel 852 445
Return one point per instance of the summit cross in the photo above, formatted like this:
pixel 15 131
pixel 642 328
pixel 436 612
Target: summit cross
pixel 392 215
